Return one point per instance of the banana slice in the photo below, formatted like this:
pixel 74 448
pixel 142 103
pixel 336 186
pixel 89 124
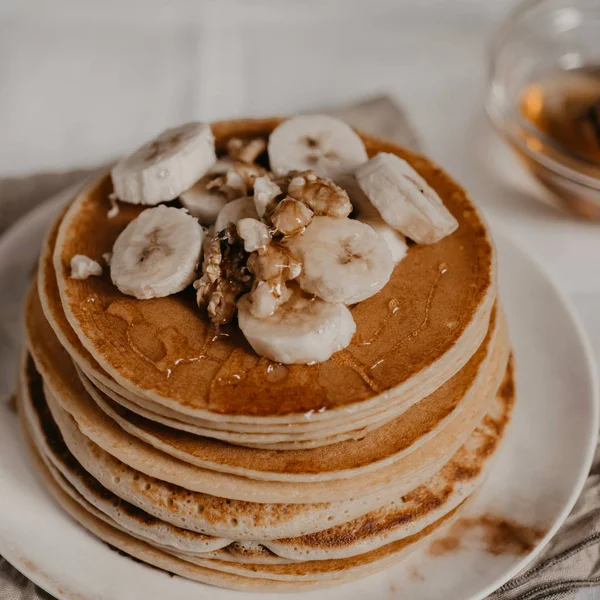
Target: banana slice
pixel 404 199
pixel 234 211
pixel 157 254
pixel 324 144
pixel 395 240
pixel 165 167
pixel 203 203
pixel 304 330
pixel 343 260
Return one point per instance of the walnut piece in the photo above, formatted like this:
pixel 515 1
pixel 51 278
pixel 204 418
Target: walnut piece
pixel 291 217
pixel 221 305
pixel 265 193
pixel 274 263
pixel 267 296
pixel 321 195
pixel 238 181
pixel 246 151
pixel 225 276
pixel 255 234
pixel 83 266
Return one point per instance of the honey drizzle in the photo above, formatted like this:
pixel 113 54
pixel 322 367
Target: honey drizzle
pixel 394 306
pixel 346 359
pixel 171 339
pixel 442 269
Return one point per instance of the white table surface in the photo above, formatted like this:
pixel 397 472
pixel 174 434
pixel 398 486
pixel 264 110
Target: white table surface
pixel 82 81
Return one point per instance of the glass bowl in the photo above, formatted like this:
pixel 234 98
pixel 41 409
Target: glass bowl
pixel 544 96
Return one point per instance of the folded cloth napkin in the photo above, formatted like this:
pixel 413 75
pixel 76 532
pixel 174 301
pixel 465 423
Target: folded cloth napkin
pixel 572 559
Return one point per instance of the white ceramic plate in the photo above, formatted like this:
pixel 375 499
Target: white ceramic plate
pixel 537 478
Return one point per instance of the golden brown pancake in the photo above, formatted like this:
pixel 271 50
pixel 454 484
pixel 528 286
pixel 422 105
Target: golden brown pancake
pixel 344 459
pixel 412 469
pixel 175 442
pixel 397 519
pixel 307 575
pixel 335 431
pixel 444 293
pixel 185 568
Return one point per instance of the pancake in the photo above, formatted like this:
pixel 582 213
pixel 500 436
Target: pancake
pixel 172 440
pixel 134 522
pixel 310 571
pixel 280 437
pixel 61 377
pixel 53 310
pixel 456 481
pixel 168 562
pixel 151 555
pixel 374 450
pixel 49 296
pixel 396 520
pixel 446 292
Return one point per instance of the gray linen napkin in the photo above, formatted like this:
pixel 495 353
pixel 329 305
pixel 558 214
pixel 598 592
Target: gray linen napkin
pixel 572 559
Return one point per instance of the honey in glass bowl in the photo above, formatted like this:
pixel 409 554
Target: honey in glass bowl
pixel 544 97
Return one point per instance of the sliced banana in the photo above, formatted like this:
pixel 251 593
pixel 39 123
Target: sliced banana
pixel 203 200
pixel 394 239
pixel 204 204
pixel 404 199
pixel 343 260
pixel 157 254
pixel 304 330
pixel 319 142
pixel 166 166
pixel 232 212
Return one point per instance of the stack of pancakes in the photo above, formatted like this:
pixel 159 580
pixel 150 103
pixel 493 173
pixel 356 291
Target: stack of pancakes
pixel 173 441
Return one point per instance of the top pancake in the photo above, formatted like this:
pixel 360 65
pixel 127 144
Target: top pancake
pixel 434 311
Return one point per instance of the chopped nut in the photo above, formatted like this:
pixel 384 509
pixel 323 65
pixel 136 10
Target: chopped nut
pixel 225 276
pixel 255 234
pixel 265 193
pixel 114 206
pixel 322 195
pixel 291 216
pixel 83 267
pixel 266 297
pixel 274 263
pixel 246 151
pixel 293 269
pixel 221 306
pixel 238 181
pixel 211 268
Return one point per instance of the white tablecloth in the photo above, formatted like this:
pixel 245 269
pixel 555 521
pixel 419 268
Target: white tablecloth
pixel 82 81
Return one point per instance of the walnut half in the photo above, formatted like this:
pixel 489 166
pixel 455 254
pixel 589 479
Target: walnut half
pixel 291 217
pixel 225 276
pixel 321 195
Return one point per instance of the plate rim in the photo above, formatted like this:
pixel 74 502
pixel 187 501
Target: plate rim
pixel 46 208
pixel 594 384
